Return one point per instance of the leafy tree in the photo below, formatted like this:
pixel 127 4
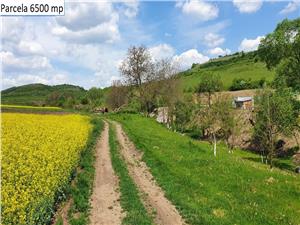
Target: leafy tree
pixel 275 115
pixel 217 121
pixel 95 96
pixel 281 49
pixel 183 113
pixel 209 84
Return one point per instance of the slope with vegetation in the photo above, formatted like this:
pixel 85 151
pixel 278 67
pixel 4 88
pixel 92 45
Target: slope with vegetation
pixel 227 189
pixel 240 66
pixel 41 94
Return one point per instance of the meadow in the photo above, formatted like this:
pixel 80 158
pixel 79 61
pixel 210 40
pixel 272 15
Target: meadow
pixel 227 189
pixel 39 154
pixel 243 68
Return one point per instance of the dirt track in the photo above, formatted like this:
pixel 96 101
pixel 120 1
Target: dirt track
pixel 165 212
pixel 106 209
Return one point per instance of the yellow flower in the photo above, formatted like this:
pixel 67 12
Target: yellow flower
pixel 39 153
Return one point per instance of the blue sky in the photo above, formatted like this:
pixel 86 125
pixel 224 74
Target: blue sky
pixel 85 46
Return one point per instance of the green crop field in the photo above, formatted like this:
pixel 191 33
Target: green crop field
pixel 227 189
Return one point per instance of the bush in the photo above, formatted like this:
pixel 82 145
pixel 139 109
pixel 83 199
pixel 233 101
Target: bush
pixel 242 84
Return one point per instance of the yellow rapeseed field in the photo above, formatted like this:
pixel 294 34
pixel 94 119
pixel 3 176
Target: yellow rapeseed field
pixel 39 153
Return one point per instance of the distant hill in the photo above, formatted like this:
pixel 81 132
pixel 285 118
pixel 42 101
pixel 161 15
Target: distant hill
pixel 238 65
pixel 39 94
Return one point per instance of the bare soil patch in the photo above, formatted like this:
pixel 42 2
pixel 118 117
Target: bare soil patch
pixel 106 208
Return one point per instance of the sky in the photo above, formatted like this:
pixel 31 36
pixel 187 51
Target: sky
pixel 86 46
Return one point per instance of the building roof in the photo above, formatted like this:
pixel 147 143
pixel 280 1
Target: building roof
pixel 243 99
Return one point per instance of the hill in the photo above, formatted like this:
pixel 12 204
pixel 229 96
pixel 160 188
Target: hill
pixel 39 94
pixel 236 66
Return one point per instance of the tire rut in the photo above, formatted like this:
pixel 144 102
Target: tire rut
pixel 105 199
pixel 153 195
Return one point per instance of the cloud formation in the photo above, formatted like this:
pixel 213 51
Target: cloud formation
pixel 198 9
pixel 212 40
pixel 291 7
pixel 248 6
pixel 248 45
pixel 219 51
pixel 187 58
pixel 161 51
pixel 93 22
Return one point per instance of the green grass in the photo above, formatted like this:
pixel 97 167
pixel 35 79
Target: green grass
pixel 82 188
pixel 241 68
pixel 228 189
pixel 135 211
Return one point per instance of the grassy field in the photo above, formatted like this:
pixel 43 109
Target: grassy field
pixel 228 189
pixel 241 68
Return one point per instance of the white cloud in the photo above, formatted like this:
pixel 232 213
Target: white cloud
pixel 290 7
pixel 30 47
pixel 248 6
pixel 219 51
pixel 212 40
pixel 22 79
pixel 161 51
pixel 11 28
pixel 198 9
pixel 248 45
pixel 89 23
pixel 11 62
pixel 131 8
pixel 105 32
pixel 81 16
pixel 186 59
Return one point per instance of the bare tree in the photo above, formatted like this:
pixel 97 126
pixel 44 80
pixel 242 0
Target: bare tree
pixel 117 96
pixel 148 78
pixel 135 68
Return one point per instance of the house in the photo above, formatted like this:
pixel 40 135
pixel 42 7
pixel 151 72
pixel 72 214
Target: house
pixel 243 103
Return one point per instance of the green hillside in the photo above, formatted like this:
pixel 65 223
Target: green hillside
pixel 39 94
pixel 245 66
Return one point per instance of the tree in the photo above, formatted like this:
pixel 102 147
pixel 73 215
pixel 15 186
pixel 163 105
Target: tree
pixel 95 96
pixel 281 49
pixel 148 78
pixel 117 95
pixel 209 84
pixel 217 121
pixel 275 115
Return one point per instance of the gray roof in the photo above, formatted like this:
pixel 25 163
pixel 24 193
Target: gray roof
pixel 243 99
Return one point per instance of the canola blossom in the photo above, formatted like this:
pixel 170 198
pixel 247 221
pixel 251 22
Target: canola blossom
pixel 39 153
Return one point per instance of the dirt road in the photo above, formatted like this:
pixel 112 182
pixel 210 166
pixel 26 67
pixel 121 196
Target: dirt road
pixel 165 212
pixel 106 209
